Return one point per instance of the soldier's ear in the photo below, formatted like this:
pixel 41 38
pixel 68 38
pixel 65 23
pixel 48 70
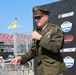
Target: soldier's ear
pixel 46 17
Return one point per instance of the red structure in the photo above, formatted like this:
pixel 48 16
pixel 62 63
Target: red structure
pixel 9 38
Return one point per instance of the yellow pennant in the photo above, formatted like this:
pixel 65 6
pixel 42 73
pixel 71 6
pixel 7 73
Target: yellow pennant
pixel 13 25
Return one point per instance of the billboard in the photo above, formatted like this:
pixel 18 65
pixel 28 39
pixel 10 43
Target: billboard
pixel 63 13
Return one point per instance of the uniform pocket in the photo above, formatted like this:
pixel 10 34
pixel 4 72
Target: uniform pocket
pixel 52 66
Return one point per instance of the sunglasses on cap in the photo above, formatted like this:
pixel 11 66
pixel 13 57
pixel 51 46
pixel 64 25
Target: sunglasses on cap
pixel 38 17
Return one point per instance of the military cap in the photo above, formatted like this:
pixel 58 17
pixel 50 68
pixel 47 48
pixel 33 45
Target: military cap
pixel 37 11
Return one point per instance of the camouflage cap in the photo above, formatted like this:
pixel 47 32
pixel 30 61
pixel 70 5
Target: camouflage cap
pixel 39 11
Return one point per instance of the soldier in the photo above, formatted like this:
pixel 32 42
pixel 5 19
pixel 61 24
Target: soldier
pixel 48 40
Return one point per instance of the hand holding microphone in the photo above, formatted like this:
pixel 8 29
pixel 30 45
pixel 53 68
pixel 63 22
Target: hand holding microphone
pixel 36 35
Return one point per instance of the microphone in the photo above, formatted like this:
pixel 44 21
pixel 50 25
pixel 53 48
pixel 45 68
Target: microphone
pixel 37 29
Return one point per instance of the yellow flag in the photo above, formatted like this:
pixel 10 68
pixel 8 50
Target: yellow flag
pixel 13 25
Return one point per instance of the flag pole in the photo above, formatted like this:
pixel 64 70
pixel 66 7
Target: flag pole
pixel 16 40
pixel 16 25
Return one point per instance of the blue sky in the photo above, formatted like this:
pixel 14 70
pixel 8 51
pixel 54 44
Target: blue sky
pixel 20 9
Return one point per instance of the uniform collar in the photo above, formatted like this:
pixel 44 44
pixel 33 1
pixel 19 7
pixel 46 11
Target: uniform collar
pixel 44 27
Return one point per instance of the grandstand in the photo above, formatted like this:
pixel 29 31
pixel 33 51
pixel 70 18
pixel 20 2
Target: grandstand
pixel 7 43
pixel 8 39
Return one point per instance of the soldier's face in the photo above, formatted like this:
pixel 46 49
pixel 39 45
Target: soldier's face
pixel 41 20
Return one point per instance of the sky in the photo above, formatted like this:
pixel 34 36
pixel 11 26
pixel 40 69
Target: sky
pixel 20 9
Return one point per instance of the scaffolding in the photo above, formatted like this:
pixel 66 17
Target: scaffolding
pixel 8 69
pixel 23 45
